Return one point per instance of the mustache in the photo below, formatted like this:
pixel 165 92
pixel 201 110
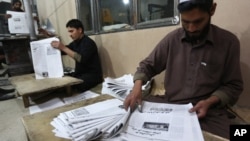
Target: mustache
pixel 194 32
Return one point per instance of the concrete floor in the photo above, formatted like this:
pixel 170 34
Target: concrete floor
pixel 11 113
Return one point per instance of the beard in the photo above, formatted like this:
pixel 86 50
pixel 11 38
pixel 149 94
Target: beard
pixel 193 37
pixel 18 10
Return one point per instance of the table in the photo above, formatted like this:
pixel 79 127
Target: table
pixel 26 85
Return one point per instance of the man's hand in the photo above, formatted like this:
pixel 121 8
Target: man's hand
pixel 135 97
pixel 62 47
pixel 202 106
pixel 45 32
pixel 7 16
pixel 57 45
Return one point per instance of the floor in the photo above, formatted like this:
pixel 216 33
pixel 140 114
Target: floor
pixel 11 128
pixel 11 113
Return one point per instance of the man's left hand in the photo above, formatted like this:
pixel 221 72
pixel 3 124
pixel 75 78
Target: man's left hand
pixel 202 106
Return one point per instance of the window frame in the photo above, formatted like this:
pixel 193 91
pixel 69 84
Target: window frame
pixel 159 22
pixel 100 31
pixel 93 15
pixel 134 14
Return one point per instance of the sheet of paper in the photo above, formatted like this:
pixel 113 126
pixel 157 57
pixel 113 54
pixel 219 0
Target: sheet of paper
pixel 18 24
pixel 165 122
pixel 107 117
pixel 109 121
pixel 93 108
pixel 80 97
pixel 57 102
pixel 51 104
pixel 120 87
pixel 47 61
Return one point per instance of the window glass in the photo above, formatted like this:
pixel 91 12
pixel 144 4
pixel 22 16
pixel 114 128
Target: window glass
pixel 114 15
pixel 85 14
pixel 4 6
pixel 102 16
pixel 157 12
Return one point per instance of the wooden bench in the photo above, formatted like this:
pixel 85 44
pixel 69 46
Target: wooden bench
pixel 26 85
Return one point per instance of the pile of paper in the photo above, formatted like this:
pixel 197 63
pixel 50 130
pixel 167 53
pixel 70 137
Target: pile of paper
pixel 108 121
pixel 162 122
pixel 122 86
pixel 100 120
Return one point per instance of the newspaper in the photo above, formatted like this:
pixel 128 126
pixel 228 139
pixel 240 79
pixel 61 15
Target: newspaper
pixel 122 86
pixel 18 23
pixel 160 121
pixel 47 61
pixel 108 121
pixel 57 102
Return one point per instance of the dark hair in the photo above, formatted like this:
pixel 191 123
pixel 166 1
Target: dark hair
pixel 16 1
pixel 75 23
pixel 204 5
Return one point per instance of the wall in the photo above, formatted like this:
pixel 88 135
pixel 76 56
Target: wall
pixel 121 52
pixel 58 12
pixel 233 15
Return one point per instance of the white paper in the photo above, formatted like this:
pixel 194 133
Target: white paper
pixel 121 87
pixel 160 121
pixel 18 24
pixel 57 102
pixel 51 104
pixel 47 61
pixel 80 97
pixel 103 118
pixel 108 121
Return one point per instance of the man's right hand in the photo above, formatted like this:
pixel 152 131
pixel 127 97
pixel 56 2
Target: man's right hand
pixel 7 16
pixel 57 45
pixel 135 97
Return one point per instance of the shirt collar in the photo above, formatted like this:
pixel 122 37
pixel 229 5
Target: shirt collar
pixel 209 38
pixel 79 39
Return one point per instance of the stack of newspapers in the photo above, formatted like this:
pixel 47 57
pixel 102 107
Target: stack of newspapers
pixel 108 121
pixel 120 87
pixel 100 120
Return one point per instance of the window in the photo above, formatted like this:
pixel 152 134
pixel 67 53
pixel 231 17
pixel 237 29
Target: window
pixel 86 14
pixel 152 13
pixel 103 16
pixel 114 15
pixel 4 6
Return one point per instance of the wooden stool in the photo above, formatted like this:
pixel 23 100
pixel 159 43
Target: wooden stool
pixel 27 85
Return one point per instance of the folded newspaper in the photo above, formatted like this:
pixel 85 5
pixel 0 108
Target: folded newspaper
pixel 108 121
pixel 103 119
pixel 122 86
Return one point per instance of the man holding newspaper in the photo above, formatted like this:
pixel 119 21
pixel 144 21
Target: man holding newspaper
pixel 202 63
pixel 85 53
